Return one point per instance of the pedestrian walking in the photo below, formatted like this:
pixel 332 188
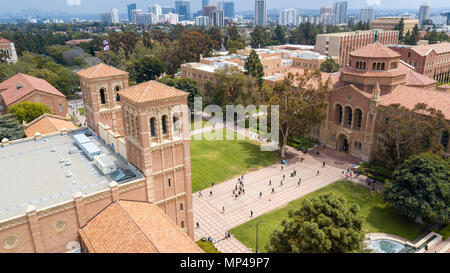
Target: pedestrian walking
pixel 318 172
pixel 281 167
pixel 251 213
pixel 323 165
pixel 200 194
pixel 281 183
pixel 198 225
pixel 284 176
pixel 273 190
pixel 212 184
pixel 299 181
pixel 260 195
pixel 210 193
pixel 270 182
pixel 223 210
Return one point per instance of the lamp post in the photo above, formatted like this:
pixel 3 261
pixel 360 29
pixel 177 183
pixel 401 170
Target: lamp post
pixel 257 224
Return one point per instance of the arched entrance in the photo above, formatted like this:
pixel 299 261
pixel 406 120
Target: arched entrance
pixel 342 144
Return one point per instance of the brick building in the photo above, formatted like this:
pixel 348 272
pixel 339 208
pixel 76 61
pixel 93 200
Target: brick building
pixel 432 61
pixel 70 190
pixel 10 50
pixel 341 44
pixel 389 23
pixel 375 75
pixel 23 87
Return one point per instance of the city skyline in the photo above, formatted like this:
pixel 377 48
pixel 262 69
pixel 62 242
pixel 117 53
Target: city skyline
pixel 90 7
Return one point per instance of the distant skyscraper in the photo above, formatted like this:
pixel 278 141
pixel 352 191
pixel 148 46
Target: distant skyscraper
pixel 228 9
pixel 207 10
pixel 424 13
pixel 155 9
pixel 110 17
pixel 327 16
pixel 260 13
pixel 366 14
pixel 183 9
pixel 115 16
pixel 131 7
pixel 217 18
pixel 167 10
pixel 340 10
pixel 351 20
pixel 202 21
pixel 326 9
pixel 288 17
pixel 134 15
pixel 205 3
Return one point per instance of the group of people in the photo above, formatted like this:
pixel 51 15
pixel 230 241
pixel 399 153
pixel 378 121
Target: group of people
pixel 239 188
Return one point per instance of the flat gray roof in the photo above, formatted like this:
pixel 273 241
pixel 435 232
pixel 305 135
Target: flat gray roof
pixel 31 174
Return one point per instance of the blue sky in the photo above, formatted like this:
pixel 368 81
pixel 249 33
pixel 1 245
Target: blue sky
pixel 96 6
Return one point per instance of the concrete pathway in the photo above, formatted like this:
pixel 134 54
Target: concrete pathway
pixel 214 223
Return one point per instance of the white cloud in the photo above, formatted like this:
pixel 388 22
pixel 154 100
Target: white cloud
pixel 373 2
pixel 73 2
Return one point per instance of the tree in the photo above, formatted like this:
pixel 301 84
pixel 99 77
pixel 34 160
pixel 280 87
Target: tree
pixel 28 111
pixel 146 69
pixel 254 67
pixel 329 65
pixel 301 100
pixel 322 224
pixel 3 56
pixel 185 84
pixel 420 188
pixel 233 32
pixel 259 37
pixel 401 28
pixel 279 35
pixel 10 128
pixel 406 132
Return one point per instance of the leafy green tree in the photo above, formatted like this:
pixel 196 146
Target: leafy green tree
pixel 3 56
pixel 329 65
pixel 10 128
pixel 233 46
pixel 406 132
pixel 254 67
pixel 146 69
pixel 401 28
pixel 420 188
pixel 28 111
pixel 185 84
pixel 279 35
pixel 259 37
pixel 323 224
pixel 233 32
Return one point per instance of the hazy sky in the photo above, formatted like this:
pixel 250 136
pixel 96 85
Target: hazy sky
pixel 96 6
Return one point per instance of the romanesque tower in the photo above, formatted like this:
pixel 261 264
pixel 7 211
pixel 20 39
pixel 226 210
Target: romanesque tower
pixel 100 86
pixel 157 137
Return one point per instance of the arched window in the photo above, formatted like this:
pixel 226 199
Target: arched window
pixel 117 97
pixel 182 224
pixel 175 121
pixel 152 127
pixel 339 114
pixel 102 96
pixel 382 66
pixel 378 66
pixel 348 114
pixel 374 66
pixel 164 124
pixel 181 206
pixel 364 65
pixel 358 116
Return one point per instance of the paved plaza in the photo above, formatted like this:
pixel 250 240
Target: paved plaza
pixel 208 210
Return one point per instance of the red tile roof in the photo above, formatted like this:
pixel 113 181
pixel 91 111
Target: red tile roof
pixel 101 71
pixel 135 227
pixel 4 41
pixel 47 124
pixel 375 50
pixel 151 91
pixel 409 96
pixel 334 77
pixel 426 49
pixel 413 78
pixel 10 93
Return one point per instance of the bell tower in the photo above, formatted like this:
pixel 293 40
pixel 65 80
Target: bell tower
pixel 157 134
pixel 100 86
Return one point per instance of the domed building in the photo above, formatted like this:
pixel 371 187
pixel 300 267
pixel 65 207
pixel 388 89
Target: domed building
pixel 374 75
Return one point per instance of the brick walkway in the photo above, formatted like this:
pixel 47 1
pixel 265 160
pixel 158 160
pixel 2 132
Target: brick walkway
pixel 208 210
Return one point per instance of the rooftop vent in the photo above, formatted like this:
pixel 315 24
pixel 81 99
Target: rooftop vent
pixel 19 86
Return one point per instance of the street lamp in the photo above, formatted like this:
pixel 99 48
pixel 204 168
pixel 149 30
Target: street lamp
pixel 257 224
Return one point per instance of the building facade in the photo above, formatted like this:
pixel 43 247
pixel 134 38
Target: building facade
pixel 228 8
pixel 183 9
pixel 424 13
pixel 202 21
pixel 340 11
pixel 341 44
pixel 389 23
pixel 130 8
pixel 260 12
pixel 10 50
pixel 432 61
pixel 288 17
pixel 366 14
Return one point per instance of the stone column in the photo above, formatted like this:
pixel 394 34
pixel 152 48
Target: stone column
pixel 114 187
pixel 33 222
pixel 81 210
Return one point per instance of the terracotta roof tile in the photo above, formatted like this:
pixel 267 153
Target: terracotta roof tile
pixel 151 91
pixel 413 78
pixel 135 227
pixel 10 93
pixel 409 96
pixel 375 50
pixel 47 124
pixel 426 49
pixel 334 77
pixel 101 71
pixel 4 41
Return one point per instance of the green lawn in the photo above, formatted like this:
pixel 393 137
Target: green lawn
pixel 380 217
pixel 81 110
pixel 207 246
pixel 203 122
pixel 219 160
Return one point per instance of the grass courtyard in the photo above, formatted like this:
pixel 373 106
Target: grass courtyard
pixel 379 216
pixel 207 246
pixel 219 160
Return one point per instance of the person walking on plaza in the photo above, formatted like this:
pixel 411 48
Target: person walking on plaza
pixel 273 190
pixel 318 172
pixel 223 210
pixel 210 193
pixel 260 195
pixel 198 225
pixel 299 181
pixel 200 194
pixel 251 213
pixel 323 165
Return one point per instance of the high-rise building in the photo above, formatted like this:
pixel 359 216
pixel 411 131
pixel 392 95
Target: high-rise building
pixel 326 9
pixel 134 15
pixel 147 19
pixel 202 21
pixel 340 10
pixel 110 17
pixel 167 10
pixel 183 9
pixel 155 9
pixel 169 18
pixel 207 10
pixel 205 3
pixel 288 17
pixel 424 12
pixel 228 9
pixel 260 12
pixel 351 20
pixel 366 14
pixel 131 7
pixel 217 18
pixel 327 16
